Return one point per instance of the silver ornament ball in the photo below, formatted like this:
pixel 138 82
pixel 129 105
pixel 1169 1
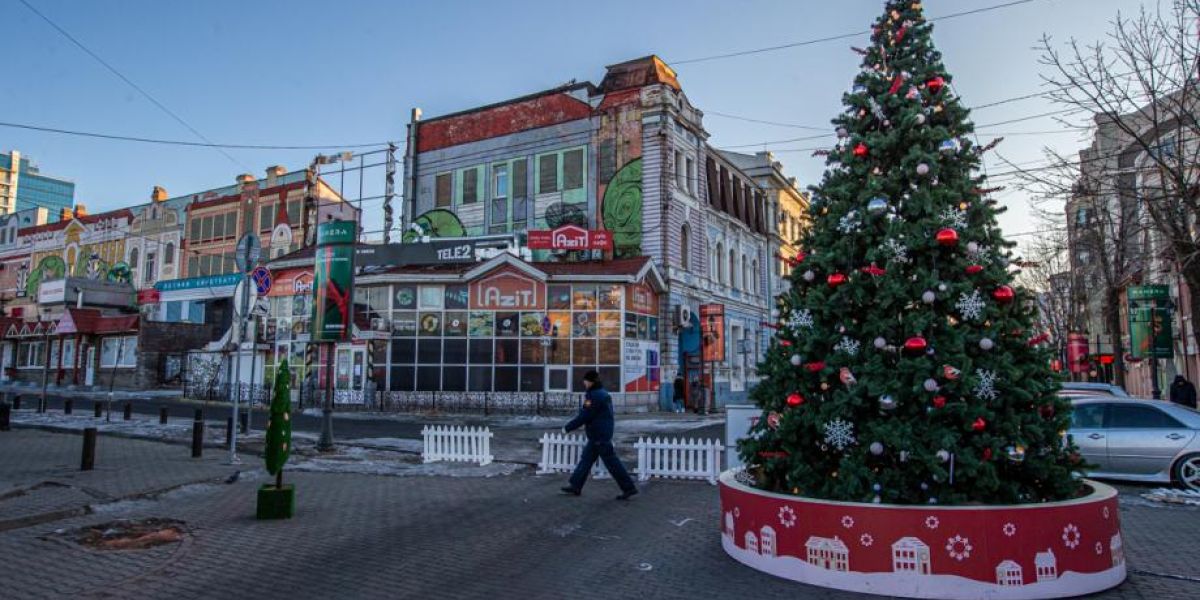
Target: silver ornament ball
pixel 987 344
pixel 931 385
pixel 922 169
pixel 877 205
pixel 880 343
pixel 809 275
pixel 887 402
pixel 876 448
pixel 928 297
pixel 796 360
pixel 943 455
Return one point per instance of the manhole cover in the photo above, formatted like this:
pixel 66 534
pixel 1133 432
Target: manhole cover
pixel 129 534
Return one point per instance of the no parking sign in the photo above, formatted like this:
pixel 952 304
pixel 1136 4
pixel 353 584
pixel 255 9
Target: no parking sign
pixel 261 276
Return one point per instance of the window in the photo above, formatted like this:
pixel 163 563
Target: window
pixel 1081 216
pixel 679 180
pixel 470 185
pixel 754 273
pixel 206 229
pixel 195 229
pixel 266 217
pixel 573 169
pixel 230 224
pixel 683 247
pixel 118 352
pixel 1088 416
pixel 193 266
pixel 1122 416
pixel 500 186
pixel 718 267
pixel 547 173
pixel 293 212
pixel 745 275
pixel 150 268
pixel 733 270
pixel 169 254
pixel 31 354
pixel 690 173
pixel 133 263
pixel 444 190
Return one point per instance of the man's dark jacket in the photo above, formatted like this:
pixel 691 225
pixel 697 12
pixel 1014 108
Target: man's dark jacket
pixel 596 415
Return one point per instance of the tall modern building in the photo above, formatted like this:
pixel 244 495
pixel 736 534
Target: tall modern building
pixel 24 187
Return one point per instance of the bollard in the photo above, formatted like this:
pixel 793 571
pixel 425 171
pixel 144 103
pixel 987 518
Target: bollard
pixel 228 430
pixel 128 410
pixel 67 406
pixel 98 409
pixel 197 436
pixel 162 415
pixel 89 449
pixel 5 416
pixel 16 403
pixel 199 415
pixel 243 422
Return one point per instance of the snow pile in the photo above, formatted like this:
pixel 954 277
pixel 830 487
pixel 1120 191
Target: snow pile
pixel 1173 496
pixel 365 461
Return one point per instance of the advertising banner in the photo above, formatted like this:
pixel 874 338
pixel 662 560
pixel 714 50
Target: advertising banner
pixel 1077 352
pixel 1150 322
pixel 570 237
pixel 712 327
pixel 333 281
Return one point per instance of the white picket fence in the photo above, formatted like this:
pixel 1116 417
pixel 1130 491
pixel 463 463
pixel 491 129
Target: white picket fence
pixel 670 458
pixel 560 454
pixel 456 444
pixel 688 458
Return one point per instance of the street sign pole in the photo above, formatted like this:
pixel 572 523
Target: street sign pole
pixel 246 256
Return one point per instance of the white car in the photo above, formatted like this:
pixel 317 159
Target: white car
pixel 1136 439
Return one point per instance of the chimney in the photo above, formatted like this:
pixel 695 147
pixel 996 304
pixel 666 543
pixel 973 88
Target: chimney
pixel 80 210
pixel 273 175
pixel 64 214
pixel 245 178
pixel 159 194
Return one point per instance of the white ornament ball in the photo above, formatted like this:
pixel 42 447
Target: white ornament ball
pixel 987 343
pixel 928 297
pixel 922 169
pixel 877 487
pixel 973 247
pixel 943 455
pixel 809 276
pixel 796 360
pixel 876 448
pixel 880 343
pixel 931 385
pixel 887 402
pixel 941 287
pixel 842 133
pixel 920 118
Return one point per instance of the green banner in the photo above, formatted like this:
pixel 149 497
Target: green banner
pixel 1144 293
pixel 333 281
pixel 1149 323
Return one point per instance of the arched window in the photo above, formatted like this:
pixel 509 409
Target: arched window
pixel 733 270
pixel 719 269
pixel 169 254
pixel 746 275
pixel 684 246
pixel 754 270
pixel 133 263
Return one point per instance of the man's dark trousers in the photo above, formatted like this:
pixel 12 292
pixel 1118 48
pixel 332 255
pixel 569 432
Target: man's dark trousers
pixel 604 451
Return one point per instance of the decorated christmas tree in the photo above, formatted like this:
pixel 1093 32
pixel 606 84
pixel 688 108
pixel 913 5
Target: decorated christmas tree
pixel 905 368
pixel 279 426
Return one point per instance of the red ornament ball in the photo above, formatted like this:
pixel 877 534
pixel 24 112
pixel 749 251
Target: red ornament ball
pixel 939 401
pixel 915 345
pixel 974 269
pixel 836 279
pixel 947 237
pixel 987 454
pixel 979 424
pixel 1047 411
pixel 816 366
pixel 1003 294
pixel 936 84
pixel 860 150
pixel 795 399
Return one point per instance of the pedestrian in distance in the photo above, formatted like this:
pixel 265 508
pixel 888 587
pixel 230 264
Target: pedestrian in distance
pixel 678 395
pixel 1183 392
pixel 596 418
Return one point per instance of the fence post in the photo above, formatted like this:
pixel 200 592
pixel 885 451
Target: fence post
pixel 89 450
pixel 244 421
pixel 198 434
pixel 16 402
pixel 97 409
pixel 68 406
pixel 162 415
pixel 5 416
pixel 228 430
pixel 128 410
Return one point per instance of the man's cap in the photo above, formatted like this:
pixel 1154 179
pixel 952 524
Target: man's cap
pixel 591 376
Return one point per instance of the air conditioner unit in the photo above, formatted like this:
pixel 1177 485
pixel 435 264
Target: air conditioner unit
pixel 683 316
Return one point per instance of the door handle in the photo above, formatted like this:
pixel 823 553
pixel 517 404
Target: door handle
pixel 1175 436
pixel 1095 436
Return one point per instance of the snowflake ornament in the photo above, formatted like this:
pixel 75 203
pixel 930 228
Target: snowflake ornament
pixel 959 547
pixel 896 249
pixel 932 522
pixel 1099 548
pixel 847 521
pixel 1010 529
pixel 849 223
pixel 866 539
pixel 1071 536
pixel 839 434
pixel 787 516
pixel 847 345
pixel 952 217
pixel 986 388
pixel 801 319
pixel 970 306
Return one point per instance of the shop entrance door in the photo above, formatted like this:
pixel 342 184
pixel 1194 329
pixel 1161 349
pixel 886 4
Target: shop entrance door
pixel 89 377
pixel 350 368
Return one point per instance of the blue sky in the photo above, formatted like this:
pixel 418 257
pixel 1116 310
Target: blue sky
pixel 306 72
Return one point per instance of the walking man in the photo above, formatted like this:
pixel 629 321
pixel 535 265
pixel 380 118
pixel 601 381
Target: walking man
pixel 678 395
pixel 1183 392
pixel 596 417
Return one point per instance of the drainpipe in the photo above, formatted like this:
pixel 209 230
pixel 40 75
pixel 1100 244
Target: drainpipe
pixel 410 171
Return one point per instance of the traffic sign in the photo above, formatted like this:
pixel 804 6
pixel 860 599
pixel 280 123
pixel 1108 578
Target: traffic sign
pixel 249 250
pixel 262 279
pixel 243 298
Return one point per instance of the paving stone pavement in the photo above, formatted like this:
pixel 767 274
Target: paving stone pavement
pixel 357 536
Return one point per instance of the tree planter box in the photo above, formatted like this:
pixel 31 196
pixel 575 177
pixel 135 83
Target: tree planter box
pixel 276 503
pixel 1051 550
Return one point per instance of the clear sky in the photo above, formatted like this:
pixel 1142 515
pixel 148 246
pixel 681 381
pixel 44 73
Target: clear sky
pixel 306 73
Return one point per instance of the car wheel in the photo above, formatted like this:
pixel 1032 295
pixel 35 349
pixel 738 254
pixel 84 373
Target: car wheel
pixel 1187 472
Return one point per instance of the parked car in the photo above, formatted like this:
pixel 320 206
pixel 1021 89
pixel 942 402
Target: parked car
pixel 1136 439
pixel 1077 389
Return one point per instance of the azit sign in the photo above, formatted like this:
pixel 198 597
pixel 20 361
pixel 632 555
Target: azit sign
pixel 507 290
pixel 570 237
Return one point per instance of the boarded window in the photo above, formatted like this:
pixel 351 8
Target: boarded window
pixel 470 186
pixel 520 178
pixel 445 189
pixel 573 169
pixel 607 160
pixel 714 193
pixel 547 173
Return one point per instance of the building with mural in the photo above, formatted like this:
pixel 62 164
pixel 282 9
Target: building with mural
pixel 619 170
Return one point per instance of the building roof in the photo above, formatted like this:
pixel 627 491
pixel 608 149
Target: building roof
pixel 1045 559
pixel 639 72
pixel 1008 565
pixel 85 219
pixel 821 543
pixel 90 320
pixel 909 542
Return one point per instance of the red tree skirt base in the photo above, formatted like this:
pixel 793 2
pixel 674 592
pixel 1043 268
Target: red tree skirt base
pixel 1029 551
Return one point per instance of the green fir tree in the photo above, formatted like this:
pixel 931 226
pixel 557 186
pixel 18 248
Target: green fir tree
pixel 279 426
pixel 905 368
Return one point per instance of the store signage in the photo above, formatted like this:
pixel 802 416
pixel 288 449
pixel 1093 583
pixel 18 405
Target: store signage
pixel 52 291
pixel 507 290
pixel 150 296
pixel 712 328
pixel 1144 293
pixel 421 253
pixel 333 281
pixel 191 283
pixel 570 237
pixel 642 300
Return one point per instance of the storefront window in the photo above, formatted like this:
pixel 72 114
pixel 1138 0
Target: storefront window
pixel 559 297
pixel 611 297
pixel 481 324
pixel 584 297
pixel 506 324
pixel 432 297
pixel 406 297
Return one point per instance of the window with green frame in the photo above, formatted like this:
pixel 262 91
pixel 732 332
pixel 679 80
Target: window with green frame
pixel 469 186
pixel 563 170
pixel 509 196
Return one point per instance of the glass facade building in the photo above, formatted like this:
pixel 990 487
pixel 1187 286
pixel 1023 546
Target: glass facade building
pixel 32 189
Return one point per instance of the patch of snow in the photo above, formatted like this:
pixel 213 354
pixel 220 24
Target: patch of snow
pixel 365 461
pixel 400 444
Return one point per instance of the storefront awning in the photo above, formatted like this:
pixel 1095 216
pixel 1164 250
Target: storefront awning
pixel 91 321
